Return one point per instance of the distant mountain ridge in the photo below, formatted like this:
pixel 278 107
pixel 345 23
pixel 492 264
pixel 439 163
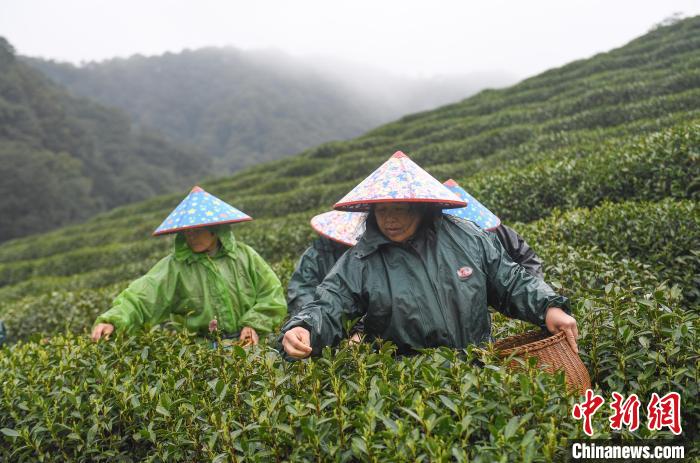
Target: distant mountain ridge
pixel 239 110
pixel 246 107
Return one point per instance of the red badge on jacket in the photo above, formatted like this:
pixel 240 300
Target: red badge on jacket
pixel 464 273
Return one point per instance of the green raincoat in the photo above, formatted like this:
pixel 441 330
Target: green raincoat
pixel 433 290
pixel 312 268
pixel 236 287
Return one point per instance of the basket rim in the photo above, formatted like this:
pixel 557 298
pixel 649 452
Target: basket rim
pixel 538 344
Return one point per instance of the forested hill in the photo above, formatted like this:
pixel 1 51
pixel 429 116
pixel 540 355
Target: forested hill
pixel 247 107
pixel 239 107
pixel 595 163
pixel 63 158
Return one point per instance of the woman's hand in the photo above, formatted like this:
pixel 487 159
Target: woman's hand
pixel 355 339
pixel 557 320
pixel 249 334
pixel 297 342
pixel 102 329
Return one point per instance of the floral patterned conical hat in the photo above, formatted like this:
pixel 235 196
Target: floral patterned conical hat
pixel 398 180
pixel 342 227
pixel 475 211
pixel 200 209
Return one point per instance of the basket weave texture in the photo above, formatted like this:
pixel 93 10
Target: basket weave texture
pixel 553 353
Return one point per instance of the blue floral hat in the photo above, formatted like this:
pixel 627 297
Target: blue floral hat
pixel 200 209
pixel 475 211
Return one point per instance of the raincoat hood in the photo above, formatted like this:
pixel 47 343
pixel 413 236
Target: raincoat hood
pixel 227 242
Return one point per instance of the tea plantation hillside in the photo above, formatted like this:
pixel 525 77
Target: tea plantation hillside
pixel 596 163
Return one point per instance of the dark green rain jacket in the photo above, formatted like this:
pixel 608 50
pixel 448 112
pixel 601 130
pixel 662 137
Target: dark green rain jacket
pixel 433 290
pixel 236 287
pixel 319 258
pixel 312 268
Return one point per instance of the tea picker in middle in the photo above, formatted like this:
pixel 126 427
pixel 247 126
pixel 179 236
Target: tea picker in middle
pixel 420 278
pixel 339 231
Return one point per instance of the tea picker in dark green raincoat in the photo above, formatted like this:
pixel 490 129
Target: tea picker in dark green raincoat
pixel 338 231
pixel 209 276
pixel 420 278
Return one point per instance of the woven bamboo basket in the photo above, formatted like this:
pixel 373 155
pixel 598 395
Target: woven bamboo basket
pixel 553 353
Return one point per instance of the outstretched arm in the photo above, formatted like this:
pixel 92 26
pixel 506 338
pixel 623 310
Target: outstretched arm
pixel 146 300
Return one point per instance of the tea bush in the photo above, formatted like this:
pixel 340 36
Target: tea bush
pixel 164 397
pixel 663 235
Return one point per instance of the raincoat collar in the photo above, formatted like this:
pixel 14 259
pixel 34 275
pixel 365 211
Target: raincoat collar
pixel 183 252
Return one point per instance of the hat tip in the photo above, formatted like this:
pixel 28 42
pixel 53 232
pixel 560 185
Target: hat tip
pixel 399 154
pixel 196 189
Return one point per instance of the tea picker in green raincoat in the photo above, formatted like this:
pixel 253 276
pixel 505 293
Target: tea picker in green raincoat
pixel 339 231
pixel 209 276
pixel 419 277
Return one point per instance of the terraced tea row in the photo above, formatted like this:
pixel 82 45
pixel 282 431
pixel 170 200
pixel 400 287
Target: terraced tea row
pixel 645 168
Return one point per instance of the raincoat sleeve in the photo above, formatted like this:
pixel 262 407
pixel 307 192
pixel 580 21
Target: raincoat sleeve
pixel 338 297
pixel 519 251
pixel 147 300
pixel 302 285
pixel 269 308
pixel 513 291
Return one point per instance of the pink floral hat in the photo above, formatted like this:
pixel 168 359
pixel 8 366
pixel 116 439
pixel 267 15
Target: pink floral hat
pixel 398 180
pixel 343 227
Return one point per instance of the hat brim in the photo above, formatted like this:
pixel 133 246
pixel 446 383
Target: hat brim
pixel 332 238
pixel 340 226
pixel 365 205
pixel 202 225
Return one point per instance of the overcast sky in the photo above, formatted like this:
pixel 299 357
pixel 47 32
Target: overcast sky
pixel 412 38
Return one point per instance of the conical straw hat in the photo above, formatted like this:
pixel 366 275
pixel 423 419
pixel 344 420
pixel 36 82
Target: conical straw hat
pixel 475 211
pixel 343 227
pixel 200 209
pixel 398 180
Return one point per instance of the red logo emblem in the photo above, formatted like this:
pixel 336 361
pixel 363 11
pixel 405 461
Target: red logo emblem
pixel 464 273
